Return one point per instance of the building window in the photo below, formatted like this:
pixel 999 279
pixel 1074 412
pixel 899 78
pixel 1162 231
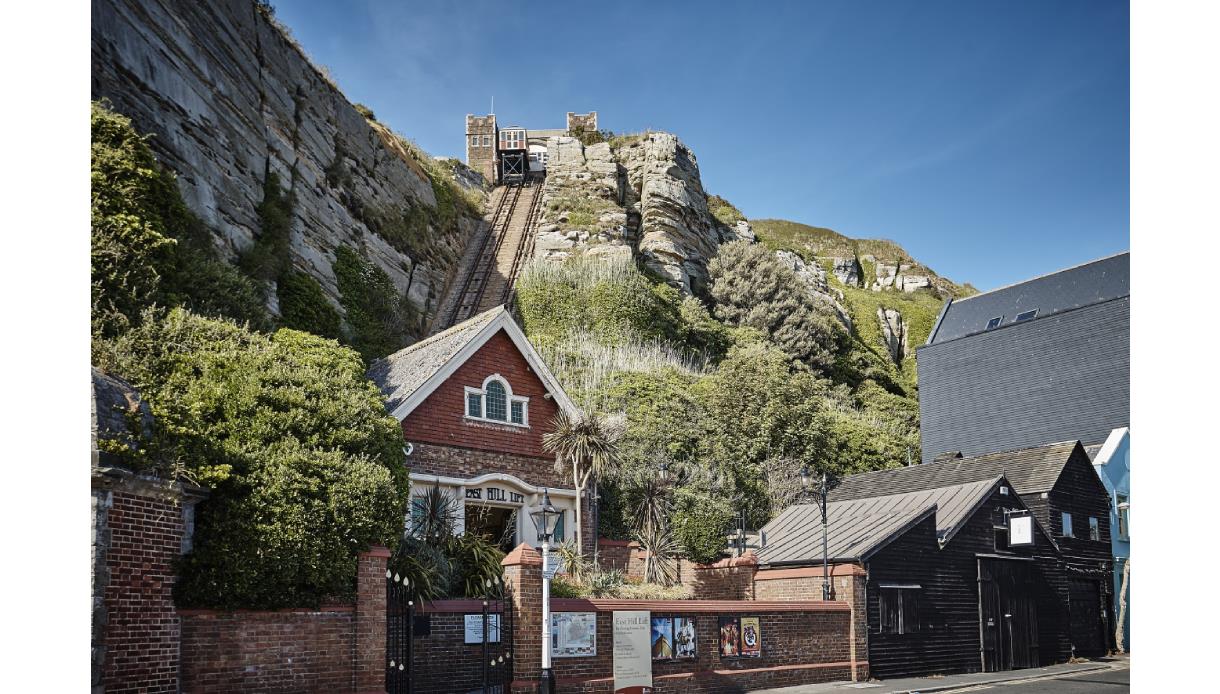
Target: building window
pixel 474 140
pixel 1067 525
pixel 995 322
pixel 1094 529
pixel 487 140
pixel 899 609
pixel 558 539
pixel 1025 315
pixel 495 402
pixel 1123 506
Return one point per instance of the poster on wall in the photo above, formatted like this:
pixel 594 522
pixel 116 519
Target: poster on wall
pixel 662 638
pixel 632 657
pixel 684 637
pixel 729 645
pixel 573 634
pixel 751 637
pixel 474 628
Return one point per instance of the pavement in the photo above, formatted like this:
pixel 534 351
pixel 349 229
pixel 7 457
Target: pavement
pixel 1101 675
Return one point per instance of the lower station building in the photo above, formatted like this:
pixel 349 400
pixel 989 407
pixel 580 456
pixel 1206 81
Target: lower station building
pixel 474 402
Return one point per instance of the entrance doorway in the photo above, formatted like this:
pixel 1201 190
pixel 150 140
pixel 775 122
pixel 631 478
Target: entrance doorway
pixel 1008 614
pixel 1088 617
pixel 497 525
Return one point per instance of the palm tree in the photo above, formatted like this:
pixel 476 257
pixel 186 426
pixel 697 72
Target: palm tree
pixel 589 443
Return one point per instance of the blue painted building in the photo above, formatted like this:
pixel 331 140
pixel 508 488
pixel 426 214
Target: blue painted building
pixel 1112 461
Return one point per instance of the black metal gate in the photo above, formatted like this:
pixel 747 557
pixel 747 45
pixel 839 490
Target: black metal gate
pixel 1008 615
pixel 493 675
pixel 399 633
pixel 1088 617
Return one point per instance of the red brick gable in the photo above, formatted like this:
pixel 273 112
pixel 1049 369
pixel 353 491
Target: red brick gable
pixel 441 418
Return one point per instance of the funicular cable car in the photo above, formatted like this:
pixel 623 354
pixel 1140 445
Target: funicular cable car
pixel 514 155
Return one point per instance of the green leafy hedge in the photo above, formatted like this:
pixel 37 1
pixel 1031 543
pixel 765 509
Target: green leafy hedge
pixel 303 306
pixel 307 468
pixel 379 319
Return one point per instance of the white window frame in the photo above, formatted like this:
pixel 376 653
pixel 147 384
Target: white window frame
pixel 487 140
pixel 481 392
pixel 1066 529
pixel 1029 315
pixel 1123 513
pixel 474 140
pixel 1094 528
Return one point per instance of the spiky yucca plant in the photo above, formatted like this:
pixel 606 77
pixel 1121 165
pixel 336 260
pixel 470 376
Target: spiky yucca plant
pixel 587 442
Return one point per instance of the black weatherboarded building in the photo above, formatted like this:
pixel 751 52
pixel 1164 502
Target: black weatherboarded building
pixel 950 587
pixel 1044 360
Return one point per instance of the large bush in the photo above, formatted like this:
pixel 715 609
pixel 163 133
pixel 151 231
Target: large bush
pixel 751 287
pixel 146 246
pixel 306 467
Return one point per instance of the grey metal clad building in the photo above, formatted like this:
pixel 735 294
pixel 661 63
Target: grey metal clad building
pixel 1043 360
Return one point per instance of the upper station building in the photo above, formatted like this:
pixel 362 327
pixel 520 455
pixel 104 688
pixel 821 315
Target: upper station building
pixel 506 154
pixel 474 402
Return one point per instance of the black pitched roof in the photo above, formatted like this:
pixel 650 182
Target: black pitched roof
pixel 1083 285
pixel 1029 470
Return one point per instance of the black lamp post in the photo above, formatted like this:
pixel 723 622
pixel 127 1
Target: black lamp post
pixel 826 483
pixel 545 520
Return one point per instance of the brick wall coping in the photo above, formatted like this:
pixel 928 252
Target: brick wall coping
pixel 204 612
pixel 523 555
pixel 376 551
pixel 460 605
pixel 679 676
pixel 607 542
pixel 698 606
pixel 747 559
pixel 809 572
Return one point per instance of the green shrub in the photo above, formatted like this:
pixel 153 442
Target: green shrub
pixel 303 305
pixel 379 319
pixel 270 256
pixel 146 246
pixel 306 467
pixel 724 210
pixel 751 287
pixel 364 111
pixel 701 522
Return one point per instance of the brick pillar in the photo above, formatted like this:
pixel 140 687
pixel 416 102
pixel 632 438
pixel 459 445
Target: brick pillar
pixel 369 663
pixel 851 590
pixel 523 574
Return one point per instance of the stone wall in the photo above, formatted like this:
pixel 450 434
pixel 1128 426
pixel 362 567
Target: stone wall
pixel 226 97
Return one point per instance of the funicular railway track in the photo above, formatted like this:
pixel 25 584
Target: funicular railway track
pixel 501 254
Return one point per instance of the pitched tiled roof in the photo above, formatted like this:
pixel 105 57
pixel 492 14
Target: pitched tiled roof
pixel 858 527
pixel 1083 285
pixel 405 371
pixel 1029 470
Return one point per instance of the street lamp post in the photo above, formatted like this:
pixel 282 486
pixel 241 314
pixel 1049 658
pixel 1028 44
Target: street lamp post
pixel 827 483
pixel 545 520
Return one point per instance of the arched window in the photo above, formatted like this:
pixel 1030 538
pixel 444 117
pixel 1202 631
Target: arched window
pixel 497 401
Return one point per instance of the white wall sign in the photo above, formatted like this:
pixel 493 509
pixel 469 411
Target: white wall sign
pixel 1020 531
pixel 632 652
pixel 474 628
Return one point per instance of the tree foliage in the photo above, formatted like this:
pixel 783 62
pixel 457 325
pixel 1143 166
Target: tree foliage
pixel 146 247
pixel 380 320
pixel 751 287
pixel 306 467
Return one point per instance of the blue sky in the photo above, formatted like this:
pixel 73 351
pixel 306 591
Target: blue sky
pixel 989 139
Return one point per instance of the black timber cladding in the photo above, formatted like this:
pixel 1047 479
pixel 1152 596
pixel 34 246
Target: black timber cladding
pixel 1084 285
pixel 1057 377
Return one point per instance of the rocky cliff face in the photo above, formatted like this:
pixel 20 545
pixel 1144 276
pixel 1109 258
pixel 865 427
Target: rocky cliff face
pixel 227 97
pixel 643 195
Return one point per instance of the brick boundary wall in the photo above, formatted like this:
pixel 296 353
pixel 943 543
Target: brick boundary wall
pixel 140 527
pixel 804 641
pixel 328 649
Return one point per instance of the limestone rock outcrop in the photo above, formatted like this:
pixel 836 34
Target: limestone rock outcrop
pixel 893 332
pixel 847 270
pixel 228 96
pixel 896 275
pixel 813 277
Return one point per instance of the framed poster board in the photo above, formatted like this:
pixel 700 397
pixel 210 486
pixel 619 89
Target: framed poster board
pixel 662 640
pixel 573 634
pixel 685 640
pixel 730 637
pixel 474 628
pixel 751 637
pixel 1020 531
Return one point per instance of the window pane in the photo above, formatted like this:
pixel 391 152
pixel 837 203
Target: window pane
pixel 474 405
pixel 889 610
pixel 559 527
pixel 1094 529
pixel 518 412
pixel 910 611
pixel 1067 525
pixel 497 401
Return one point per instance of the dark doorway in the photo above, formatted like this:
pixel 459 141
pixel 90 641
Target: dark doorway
pixel 1008 614
pixel 497 525
pixel 1088 617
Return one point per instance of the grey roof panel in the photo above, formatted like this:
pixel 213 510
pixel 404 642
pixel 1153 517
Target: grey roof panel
pixel 1083 285
pixel 403 372
pixel 858 527
pixel 1029 470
